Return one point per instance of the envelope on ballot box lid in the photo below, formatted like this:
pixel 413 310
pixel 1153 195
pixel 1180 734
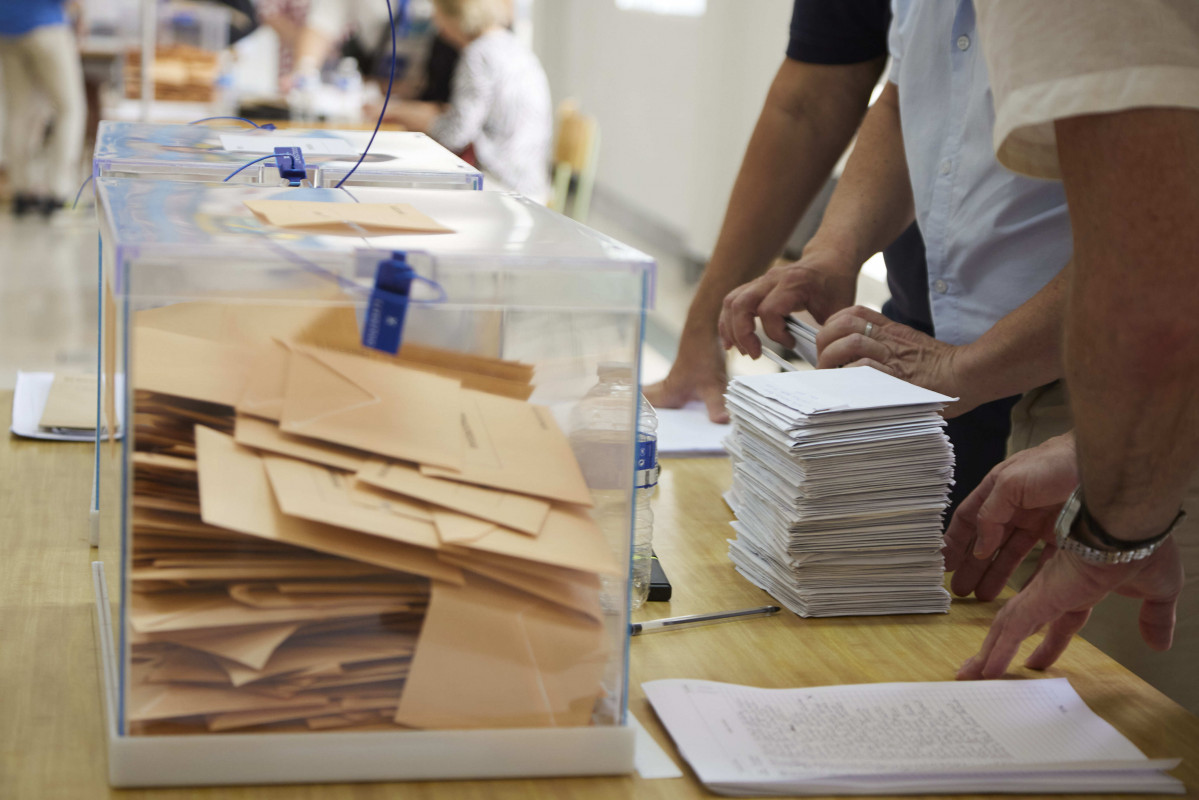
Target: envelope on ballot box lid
pixel 379 407
pixel 235 493
pixel 489 656
pixel 517 446
pixel 380 217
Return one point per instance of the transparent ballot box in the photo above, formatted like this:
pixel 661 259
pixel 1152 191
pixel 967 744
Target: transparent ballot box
pixel 213 152
pixel 334 561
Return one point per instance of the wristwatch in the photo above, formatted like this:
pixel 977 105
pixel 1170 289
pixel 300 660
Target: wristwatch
pixel 1097 546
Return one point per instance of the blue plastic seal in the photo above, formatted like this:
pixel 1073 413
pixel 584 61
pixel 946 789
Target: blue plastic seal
pixel 290 161
pixel 384 325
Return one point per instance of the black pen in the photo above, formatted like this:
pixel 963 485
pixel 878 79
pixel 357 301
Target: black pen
pixel 670 623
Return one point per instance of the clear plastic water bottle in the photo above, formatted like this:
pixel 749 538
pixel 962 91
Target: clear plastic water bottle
pixel 347 80
pixel 599 435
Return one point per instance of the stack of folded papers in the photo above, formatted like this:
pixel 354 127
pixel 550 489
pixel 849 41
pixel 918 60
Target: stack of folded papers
pixel 840 480
pixel 805 338
pixel 325 537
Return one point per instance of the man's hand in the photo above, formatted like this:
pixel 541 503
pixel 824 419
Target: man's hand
pixel 820 282
pixel 1013 508
pixel 895 349
pixel 698 373
pixel 1062 596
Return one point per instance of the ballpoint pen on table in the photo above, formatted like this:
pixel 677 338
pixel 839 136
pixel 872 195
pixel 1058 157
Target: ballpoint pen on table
pixel 691 620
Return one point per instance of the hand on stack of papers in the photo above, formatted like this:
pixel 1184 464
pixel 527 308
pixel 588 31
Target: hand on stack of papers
pixel 330 539
pixel 840 479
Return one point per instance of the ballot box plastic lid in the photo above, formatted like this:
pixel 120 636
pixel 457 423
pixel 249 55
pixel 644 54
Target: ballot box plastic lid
pixel 214 151
pixel 205 236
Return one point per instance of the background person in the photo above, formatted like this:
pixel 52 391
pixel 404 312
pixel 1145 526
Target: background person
pixel 835 56
pixel 499 104
pixel 39 59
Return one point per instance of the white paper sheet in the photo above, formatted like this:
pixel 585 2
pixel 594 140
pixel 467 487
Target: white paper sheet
pixel 687 431
pixel 28 401
pixel 900 738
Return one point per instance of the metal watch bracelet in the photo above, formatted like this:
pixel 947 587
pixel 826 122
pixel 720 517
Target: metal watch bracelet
pixel 1118 551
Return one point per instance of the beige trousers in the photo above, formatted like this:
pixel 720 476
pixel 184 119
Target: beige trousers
pixel 44 62
pixel 1045 412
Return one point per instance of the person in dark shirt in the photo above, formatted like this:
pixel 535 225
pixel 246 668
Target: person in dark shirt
pixel 835 56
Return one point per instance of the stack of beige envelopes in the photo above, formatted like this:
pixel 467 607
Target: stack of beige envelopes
pixel 324 537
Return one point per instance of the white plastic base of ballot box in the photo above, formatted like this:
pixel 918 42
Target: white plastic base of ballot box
pixel 228 759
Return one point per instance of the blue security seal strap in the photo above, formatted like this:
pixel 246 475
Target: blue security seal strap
pixel 383 328
pixel 290 161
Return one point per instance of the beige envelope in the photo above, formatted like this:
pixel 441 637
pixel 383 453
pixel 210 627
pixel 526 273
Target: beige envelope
pixel 569 538
pixel 147 701
pixel 455 528
pixel 497 376
pixel 189 666
pixel 492 657
pixel 189 611
pixel 375 217
pixel 266 595
pixel 263 435
pixel 267 382
pixel 248 719
pixel 374 406
pixel 71 402
pixel 185 366
pixel 313 657
pixel 371 497
pixel 247 570
pixel 569 588
pixel 158 461
pixel 514 445
pixel 249 646
pixel 241 322
pixel 235 493
pixel 513 510
pixel 317 493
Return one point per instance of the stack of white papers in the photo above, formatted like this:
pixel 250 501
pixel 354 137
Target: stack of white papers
pixel 902 738
pixel 58 407
pixel 840 480
pixel 805 338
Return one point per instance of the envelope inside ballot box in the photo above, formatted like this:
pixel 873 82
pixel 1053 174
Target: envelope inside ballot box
pixel 325 539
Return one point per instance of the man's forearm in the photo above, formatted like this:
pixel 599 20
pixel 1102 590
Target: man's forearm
pixel 873 203
pixel 1132 321
pixel 809 117
pixel 1022 351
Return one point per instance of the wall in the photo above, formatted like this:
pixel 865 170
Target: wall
pixel 676 99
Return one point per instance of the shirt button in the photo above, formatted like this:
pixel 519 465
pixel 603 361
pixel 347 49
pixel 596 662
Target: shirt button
pixel 945 167
pixel 940 286
pixel 963 42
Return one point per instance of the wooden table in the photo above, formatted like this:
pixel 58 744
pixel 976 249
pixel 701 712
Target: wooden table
pixel 52 739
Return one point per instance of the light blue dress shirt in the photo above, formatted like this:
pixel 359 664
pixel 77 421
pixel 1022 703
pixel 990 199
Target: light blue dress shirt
pixel 993 238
